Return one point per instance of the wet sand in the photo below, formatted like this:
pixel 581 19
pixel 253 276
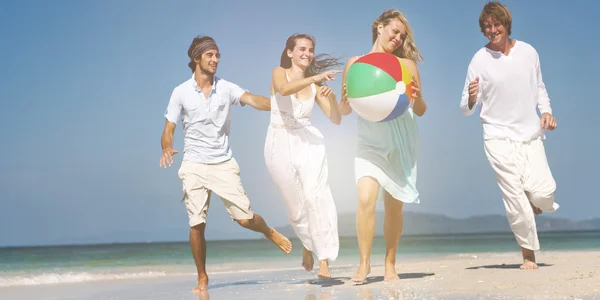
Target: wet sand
pixel 562 275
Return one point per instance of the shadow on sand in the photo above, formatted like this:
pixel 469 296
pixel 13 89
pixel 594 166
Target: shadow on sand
pixel 320 282
pixel 244 282
pixel 402 276
pixel 503 266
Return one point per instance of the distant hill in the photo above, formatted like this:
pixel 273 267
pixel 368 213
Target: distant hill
pixel 414 224
pixel 423 224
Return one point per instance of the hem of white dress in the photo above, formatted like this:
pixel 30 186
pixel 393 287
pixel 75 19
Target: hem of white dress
pixel 330 255
pixel 330 258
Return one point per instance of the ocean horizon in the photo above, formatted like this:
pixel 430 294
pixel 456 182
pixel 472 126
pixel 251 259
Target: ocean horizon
pixel 415 224
pixel 260 238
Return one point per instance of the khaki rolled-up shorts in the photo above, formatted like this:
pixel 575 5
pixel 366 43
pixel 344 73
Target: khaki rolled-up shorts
pixel 199 180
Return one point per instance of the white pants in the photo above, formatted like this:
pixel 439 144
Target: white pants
pixel 297 162
pixel 524 178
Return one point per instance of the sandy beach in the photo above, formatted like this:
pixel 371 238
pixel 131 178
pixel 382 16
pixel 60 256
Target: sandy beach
pixel 562 275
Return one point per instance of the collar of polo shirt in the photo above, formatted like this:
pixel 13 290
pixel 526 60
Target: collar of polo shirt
pixel 195 84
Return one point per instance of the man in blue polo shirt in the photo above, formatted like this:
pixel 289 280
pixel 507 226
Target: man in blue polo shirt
pixel 203 104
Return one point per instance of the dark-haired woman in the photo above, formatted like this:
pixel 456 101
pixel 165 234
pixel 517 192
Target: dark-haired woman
pixel 295 152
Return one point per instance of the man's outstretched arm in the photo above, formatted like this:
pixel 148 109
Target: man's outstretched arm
pixel 256 101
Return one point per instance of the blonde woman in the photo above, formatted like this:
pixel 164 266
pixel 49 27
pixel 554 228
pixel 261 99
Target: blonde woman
pixel 386 162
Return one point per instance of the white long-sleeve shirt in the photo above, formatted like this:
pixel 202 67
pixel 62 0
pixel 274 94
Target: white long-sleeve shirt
pixel 510 89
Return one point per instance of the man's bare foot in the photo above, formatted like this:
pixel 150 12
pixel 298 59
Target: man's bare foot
pixel 324 270
pixel 529 265
pixel 278 239
pixel 390 272
pixel 202 284
pixel 361 274
pixel 528 260
pixel 307 260
pixel 536 211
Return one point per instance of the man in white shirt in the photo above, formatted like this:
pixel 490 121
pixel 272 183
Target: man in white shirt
pixel 505 78
pixel 203 105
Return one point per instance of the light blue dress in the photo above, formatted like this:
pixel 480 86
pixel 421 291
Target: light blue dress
pixel 388 151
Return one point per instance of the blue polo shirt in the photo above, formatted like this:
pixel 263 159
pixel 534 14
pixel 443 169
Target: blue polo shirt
pixel 206 121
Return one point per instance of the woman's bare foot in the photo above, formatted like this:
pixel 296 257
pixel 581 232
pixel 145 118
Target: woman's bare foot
pixel 324 270
pixel 307 260
pixel 528 260
pixel 281 241
pixel 363 271
pixel 203 295
pixel 202 284
pixel 390 272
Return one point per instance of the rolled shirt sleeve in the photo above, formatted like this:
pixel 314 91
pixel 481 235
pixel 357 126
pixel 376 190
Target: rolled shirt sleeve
pixel 173 111
pixel 235 94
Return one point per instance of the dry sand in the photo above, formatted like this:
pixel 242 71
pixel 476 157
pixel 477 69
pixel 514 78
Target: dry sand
pixel 562 275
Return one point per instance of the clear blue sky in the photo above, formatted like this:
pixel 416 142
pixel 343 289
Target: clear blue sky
pixel 84 85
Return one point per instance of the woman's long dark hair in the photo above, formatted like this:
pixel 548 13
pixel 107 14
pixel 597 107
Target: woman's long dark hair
pixel 320 63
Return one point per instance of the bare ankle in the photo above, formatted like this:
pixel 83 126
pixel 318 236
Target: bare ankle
pixel 270 231
pixel 390 260
pixel 528 255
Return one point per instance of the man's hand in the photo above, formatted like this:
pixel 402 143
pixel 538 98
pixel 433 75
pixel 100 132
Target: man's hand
pixel 473 90
pixel 166 159
pixel 548 122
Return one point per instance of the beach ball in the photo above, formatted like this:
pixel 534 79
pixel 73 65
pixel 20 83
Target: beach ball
pixel 378 85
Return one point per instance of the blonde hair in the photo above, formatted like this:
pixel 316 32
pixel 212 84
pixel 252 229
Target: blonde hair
pixel 408 49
